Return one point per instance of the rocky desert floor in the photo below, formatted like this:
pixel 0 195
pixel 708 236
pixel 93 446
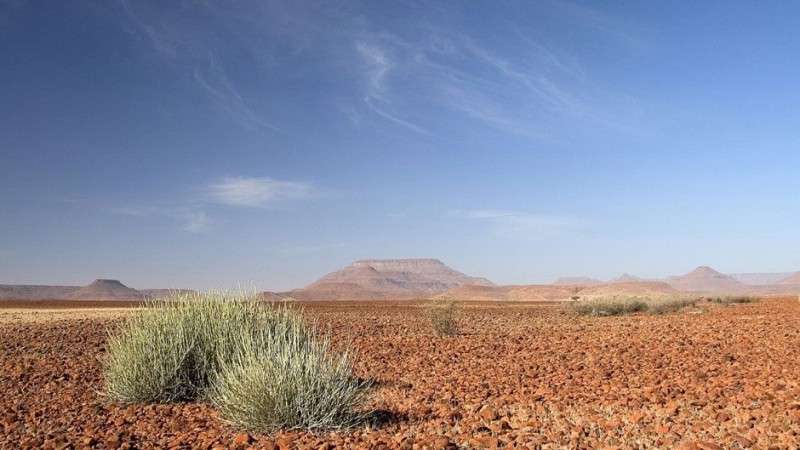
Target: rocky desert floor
pixel 518 376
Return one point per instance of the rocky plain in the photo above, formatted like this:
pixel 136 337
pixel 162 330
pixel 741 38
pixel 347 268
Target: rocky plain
pixel 517 376
pixel 523 371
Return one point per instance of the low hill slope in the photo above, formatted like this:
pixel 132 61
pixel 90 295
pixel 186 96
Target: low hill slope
pixel 97 290
pixel 549 292
pixel 760 278
pixel 792 279
pixel 34 292
pixel 515 293
pixel 649 289
pixel 576 281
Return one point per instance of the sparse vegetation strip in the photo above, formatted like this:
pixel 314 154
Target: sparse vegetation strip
pixel 732 300
pixel 618 306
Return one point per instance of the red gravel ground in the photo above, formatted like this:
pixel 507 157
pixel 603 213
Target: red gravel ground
pixel 519 376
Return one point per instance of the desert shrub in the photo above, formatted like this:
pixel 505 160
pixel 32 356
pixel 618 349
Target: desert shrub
pixel 665 306
pixel 298 383
pixel 194 346
pixel 610 306
pixel 443 316
pixel 731 300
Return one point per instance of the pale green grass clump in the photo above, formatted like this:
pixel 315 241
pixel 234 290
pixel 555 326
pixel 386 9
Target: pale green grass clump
pixel 297 384
pixel 443 317
pixel 261 365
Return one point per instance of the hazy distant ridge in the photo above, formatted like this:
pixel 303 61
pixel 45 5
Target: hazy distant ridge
pixel 101 289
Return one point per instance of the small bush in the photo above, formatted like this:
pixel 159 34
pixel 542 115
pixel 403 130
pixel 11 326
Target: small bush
pixel 731 300
pixel 199 346
pixel 443 317
pixel 669 305
pixel 297 384
pixel 610 306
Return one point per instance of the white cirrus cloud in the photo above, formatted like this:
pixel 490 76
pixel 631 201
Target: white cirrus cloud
pixel 195 221
pixel 511 222
pixel 191 218
pixel 377 67
pixel 256 192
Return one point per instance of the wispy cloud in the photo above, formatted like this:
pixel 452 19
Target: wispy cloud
pixel 392 118
pixel 194 213
pixel 599 21
pixel 257 192
pixel 215 81
pixel 196 221
pixel 191 50
pixel 427 77
pixel 514 83
pixel 156 39
pixel 305 249
pixel 191 219
pixel 514 222
pixel 377 66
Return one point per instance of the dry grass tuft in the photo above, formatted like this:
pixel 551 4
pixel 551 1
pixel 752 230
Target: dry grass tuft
pixel 295 384
pixel 443 316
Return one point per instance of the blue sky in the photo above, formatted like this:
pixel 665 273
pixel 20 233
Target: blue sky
pixel 210 144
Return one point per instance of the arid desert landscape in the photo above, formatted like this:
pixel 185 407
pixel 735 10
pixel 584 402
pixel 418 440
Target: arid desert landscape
pixel 525 368
pixel 404 224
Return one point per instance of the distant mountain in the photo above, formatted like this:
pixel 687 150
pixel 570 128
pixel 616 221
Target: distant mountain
pixel 576 281
pixel 386 279
pixel 626 278
pixel 105 290
pixel 791 279
pixel 35 292
pixel 706 279
pixel 101 289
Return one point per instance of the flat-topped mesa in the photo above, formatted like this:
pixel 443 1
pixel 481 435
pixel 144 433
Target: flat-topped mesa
pixel 387 279
pixel 105 289
pixel 402 265
pixel 106 282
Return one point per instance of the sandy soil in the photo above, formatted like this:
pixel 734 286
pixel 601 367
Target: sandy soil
pixel 25 315
pixel 528 376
